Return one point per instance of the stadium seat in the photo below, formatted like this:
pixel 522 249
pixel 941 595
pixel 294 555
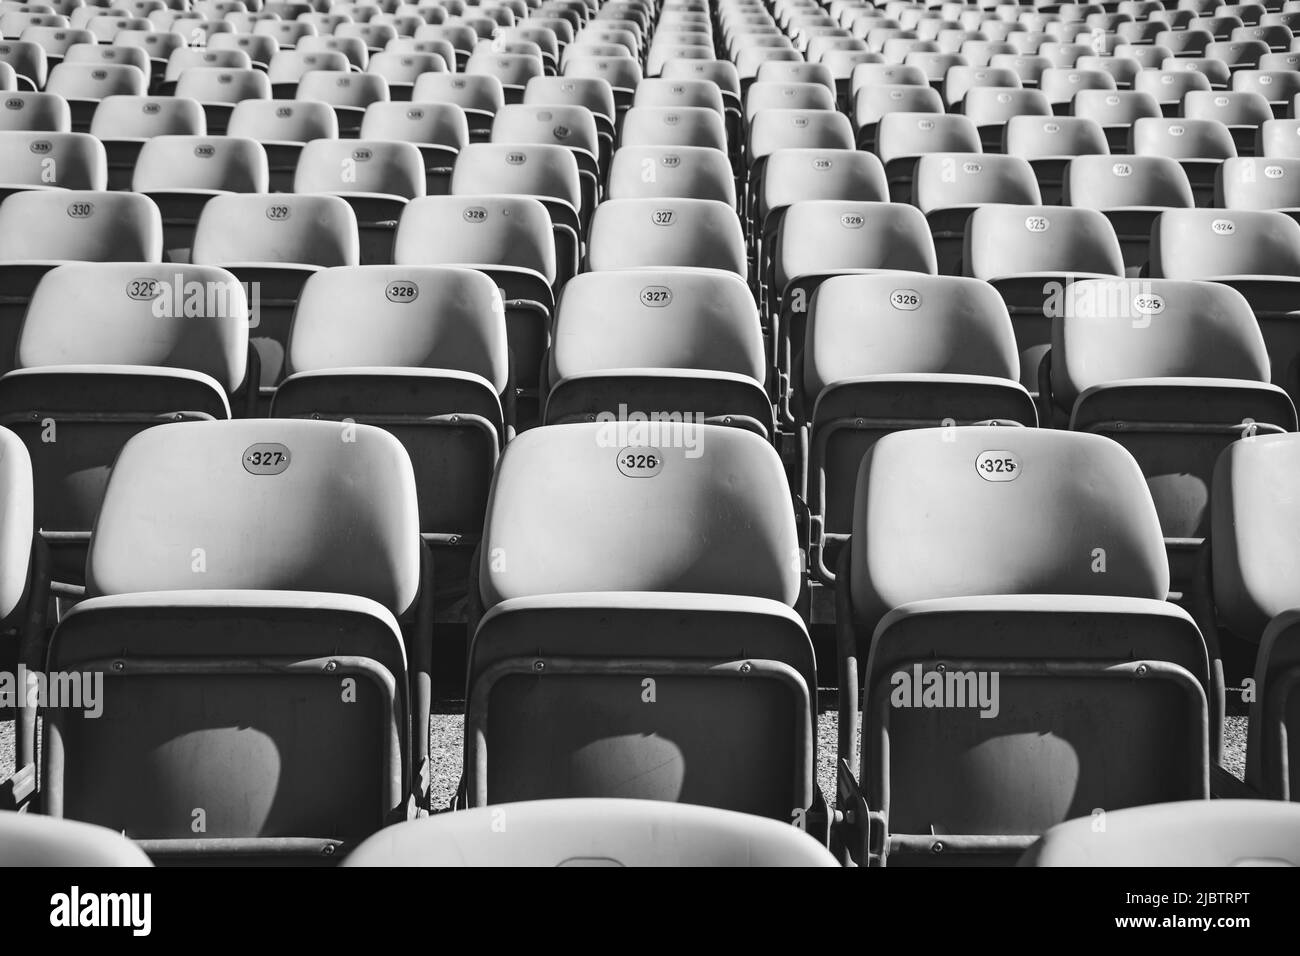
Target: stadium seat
pixel 990 107
pixel 348 93
pixel 1276 86
pixel 287 68
pixel 886 352
pixel 1049 144
pixel 872 102
pixel 124 123
pixel 438 130
pixel 1257 253
pixel 29 839
pixel 1193 833
pixel 480 96
pixel 819 238
pixel 797 175
pixel 675 341
pixel 276 241
pixel 1259 184
pixel 29 62
pixel 235 747
pixel 1252 546
pixel 1200 146
pixel 903 137
pixel 35 112
pixel 1278 139
pixel 548 173
pixel 673 126
pixel 1242 113
pixel 429 363
pixel 184 58
pixel 592 832
pixel 1172 370
pixel 83 85
pixel 977 556
pixel 684 172
pixel 1061 86
pixel 377 178
pixel 511 238
pixel 105 350
pixel 572 127
pixel 282 127
pixel 181 173
pixel 950 186
pixel 41 228
pixel 219 90
pixel 42 161
pixel 641 233
pixel 723 575
pixel 1130 191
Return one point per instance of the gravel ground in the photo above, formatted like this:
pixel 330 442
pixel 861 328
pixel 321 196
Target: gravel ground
pixel 449 727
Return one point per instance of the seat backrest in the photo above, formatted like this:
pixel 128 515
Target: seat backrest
pixel 283 227
pixel 267 504
pixel 1061 85
pixel 593 92
pixel 1263 184
pixel 902 135
pixel 283 121
pixel 111 313
pixel 1114 329
pixel 1036 137
pixel 414 317
pixel 1278 138
pixel 1009 240
pixel 184 58
pixel 1206 243
pixel 483 230
pixel 289 66
pixel 82 225
pixel 357 90
pixel 764 95
pixel 94 81
pixel 640 233
pixel 772 129
pixel 795 175
pixel 721 504
pixel 360 166
pixel 827 235
pixel 1182 138
pixel 23 110
pixel 220 85
pixel 1115 107
pixel 1193 833
pixel 107 53
pixel 1231 109
pixel 665 93
pixel 142 117
pixel 578 832
pixel 993 105
pixel 1115 182
pixel 870 103
pixel 673 126
pixel 545 171
pixel 227 163
pixel 862 325
pixel 1255 517
pixel 570 126
pixel 32 839
pixel 945 180
pixel 657 318
pixel 692 172
pixel 1169 86
pixel 17 524
pixel 960 80
pixel 989 511
pixel 37 158
pixel 478 91
pixel 438 124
